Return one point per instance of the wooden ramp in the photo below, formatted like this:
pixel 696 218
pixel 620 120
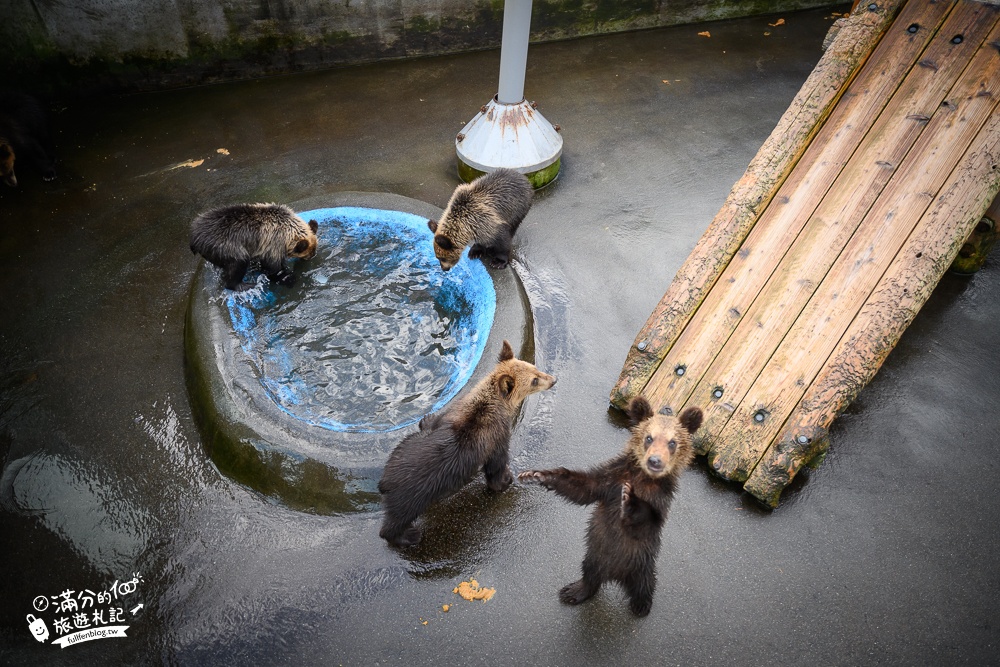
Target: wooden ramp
pixel 832 240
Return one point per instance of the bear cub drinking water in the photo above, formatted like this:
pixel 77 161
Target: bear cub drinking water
pixel 633 493
pixel 451 447
pixel 231 237
pixel 485 213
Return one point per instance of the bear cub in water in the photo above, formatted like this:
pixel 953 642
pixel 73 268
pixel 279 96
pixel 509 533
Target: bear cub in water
pixel 485 213
pixel 633 493
pixel 452 446
pixel 231 237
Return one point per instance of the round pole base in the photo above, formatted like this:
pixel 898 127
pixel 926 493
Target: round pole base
pixel 515 136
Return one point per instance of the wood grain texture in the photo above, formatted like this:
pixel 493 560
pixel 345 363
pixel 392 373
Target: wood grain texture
pixel 892 306
pixel 784 258
pixel 855 41
pixel 873 248
pixel 831 242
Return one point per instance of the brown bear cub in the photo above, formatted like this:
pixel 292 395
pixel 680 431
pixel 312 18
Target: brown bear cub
pixel 485 213
pixel 451 447
pixel 232 237
pixel 633 493
pixel 24 137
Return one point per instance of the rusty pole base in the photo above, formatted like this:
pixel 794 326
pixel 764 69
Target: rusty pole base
pixel 516 136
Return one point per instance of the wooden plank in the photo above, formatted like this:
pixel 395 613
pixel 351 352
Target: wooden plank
pixel 853 277
pixel 893 305
pixel 993 212
pixel 800 226
pixel 856 39
pixel 844 205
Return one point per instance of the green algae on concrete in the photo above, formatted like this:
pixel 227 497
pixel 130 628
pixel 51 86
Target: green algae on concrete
pixel 538 179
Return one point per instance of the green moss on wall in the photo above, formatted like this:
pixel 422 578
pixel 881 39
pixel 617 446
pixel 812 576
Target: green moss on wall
pixel 258 42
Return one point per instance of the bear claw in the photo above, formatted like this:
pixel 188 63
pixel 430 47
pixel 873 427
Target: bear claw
pixel 626 494
pixel 285 278
pixel 531 477
pixel 574 593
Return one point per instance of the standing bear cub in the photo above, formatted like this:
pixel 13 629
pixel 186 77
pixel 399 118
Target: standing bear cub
pixel 633 493
pixel 451 447
pixel 231 237
pixel 485 213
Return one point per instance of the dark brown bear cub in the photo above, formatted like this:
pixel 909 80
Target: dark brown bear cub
pixel 451 447
pixel 485 213
pixel 24 137
pixel 231 237
pixel 633 493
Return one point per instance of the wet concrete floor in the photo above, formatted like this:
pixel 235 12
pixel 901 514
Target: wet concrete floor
pixel 884 555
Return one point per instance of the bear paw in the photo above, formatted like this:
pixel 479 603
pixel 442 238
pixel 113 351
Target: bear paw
pixel 429 422
pixel 534 477
pixel 476 251
pixel 397 535
pixel 640 607
pixel 498 263
pixel 410 537
pixel 575 593
pixel 626 495
pixel 500 484
pixel 285 278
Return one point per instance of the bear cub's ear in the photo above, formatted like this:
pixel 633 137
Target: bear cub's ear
pixel 444 242
pixel 690 419
pixel 506 352
pixel 313 226
pixel 302 246
pixel 506 385
pixel 433 225
pixel 639 410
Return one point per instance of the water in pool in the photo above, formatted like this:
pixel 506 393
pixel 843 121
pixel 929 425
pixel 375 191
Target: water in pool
pixel 374 335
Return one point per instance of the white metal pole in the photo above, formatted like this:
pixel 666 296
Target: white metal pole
pixel 514 50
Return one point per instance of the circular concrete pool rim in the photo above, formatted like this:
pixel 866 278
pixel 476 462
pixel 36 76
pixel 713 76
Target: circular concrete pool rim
pixel 255 409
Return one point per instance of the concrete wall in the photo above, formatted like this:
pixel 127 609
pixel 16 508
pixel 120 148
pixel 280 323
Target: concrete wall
pixel 59 46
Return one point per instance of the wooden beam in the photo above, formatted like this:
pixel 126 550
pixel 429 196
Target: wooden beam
pixel 896 300
pixel 868 255
pixel 788 253
pixel 855 41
